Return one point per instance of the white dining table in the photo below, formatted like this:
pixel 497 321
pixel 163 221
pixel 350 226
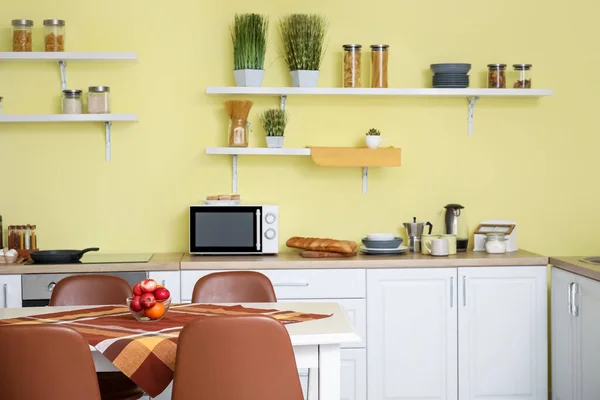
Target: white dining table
pixel 316 343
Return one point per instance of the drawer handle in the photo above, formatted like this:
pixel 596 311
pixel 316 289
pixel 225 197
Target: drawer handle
pixel 291 284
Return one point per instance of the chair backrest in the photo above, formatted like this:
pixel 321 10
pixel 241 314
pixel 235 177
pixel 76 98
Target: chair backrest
pixel 235 286
pixel 49 362
pixel 90 290
pixel 232 358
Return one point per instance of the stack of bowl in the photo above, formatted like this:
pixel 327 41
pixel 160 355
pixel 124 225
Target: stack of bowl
pixel 450 75
pixel 382 243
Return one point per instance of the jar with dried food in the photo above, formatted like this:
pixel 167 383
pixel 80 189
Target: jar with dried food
pixel 352 68
pixel 54 34
pixel 379 65
pixel 238 133
pixel 98 100
pixel 72 102
pixel 496 76
pixel 22 34
pixel 522 76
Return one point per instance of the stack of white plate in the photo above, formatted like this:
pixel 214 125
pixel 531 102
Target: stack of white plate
pixel 382 243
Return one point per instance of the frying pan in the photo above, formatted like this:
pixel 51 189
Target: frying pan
pixel 59 256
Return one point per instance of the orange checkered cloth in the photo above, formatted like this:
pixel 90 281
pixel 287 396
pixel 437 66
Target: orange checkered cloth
pixel 143 351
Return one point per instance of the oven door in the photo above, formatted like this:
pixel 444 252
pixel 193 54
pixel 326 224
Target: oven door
pixel 225 230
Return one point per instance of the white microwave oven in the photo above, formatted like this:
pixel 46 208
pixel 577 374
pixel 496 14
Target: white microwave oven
pixel 234 229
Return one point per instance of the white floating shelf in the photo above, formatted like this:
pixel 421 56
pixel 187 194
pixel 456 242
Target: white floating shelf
pixel 68 118
pixel 399 92
pixel 67 56
pixel 257 151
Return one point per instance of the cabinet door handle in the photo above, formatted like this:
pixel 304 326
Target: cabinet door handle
pixel 574 293
pixel 451 292
pixel 5 287
pixel 569 297
pixel 464 290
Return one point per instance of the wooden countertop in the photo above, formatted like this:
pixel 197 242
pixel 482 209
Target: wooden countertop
pixel 291 260
pixel 575 265
pixel 158 262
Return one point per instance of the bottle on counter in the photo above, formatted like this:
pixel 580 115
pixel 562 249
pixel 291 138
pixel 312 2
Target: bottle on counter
pixel 98 100
pixel 352 59
pixel 27 244
pixel 54 34
pixel 22 34
pixel 34 244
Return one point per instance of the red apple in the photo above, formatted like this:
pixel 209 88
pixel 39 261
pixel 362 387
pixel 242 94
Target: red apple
pixel 161 293
pixel 137 290
pixel 148 285
pixel 147 300
pixel 135 304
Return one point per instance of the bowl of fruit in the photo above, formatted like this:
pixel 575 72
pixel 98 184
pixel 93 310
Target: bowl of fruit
pixel 150 301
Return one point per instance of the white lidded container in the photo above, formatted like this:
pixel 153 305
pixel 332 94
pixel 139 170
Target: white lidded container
pixel 72 102
pixel 98 100
pixel 495 243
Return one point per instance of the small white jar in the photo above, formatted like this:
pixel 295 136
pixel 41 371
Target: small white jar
pixel 495 243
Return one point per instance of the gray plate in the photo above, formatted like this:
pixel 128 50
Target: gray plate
pixel 386 251
pixel 451 68
pixel 383 244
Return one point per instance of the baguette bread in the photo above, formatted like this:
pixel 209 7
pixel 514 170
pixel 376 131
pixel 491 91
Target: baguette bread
pixel 319 244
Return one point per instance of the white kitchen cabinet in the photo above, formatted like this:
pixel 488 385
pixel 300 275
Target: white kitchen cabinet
pixel 10 291
pixel 563 336
pixel 575 336
pixel 412 334
pixel 169 279
pixel 502 331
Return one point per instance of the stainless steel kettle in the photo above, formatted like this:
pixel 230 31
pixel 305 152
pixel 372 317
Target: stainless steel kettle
pixel 456 225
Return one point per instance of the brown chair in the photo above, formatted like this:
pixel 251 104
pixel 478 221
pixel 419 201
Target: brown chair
pixel 46 362
pixel 236 286
pixel 233 358
pixel 92 290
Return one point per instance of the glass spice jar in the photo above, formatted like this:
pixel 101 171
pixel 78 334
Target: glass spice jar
pixel 522 76
pixel 495 243
pixel 54 34
pixel 22 33
pixel 238 133
pixel 98 100
pixel 72 102
pixel 496 76
pixel 379 65
pixel 352 59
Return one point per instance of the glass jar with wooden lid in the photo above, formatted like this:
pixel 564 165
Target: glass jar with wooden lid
pixel 379 65
pixel 351 64
pixel 54 34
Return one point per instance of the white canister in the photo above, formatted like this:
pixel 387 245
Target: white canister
pixel 98 100
pixel 495 243
pixel 72 102
pixel 451 243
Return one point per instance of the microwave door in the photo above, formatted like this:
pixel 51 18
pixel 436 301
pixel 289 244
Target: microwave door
pixel 226 230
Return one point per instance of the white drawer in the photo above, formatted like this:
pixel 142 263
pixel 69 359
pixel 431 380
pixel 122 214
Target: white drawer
pixel 299 283
pixel 356 309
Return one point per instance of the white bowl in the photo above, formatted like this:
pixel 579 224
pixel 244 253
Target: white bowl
pixel 381 236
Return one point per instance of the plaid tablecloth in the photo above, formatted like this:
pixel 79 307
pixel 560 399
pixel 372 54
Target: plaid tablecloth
pixel 145 352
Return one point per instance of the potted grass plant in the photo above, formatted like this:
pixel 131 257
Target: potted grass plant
pixel 373 138
pixel 249 37
pixel 303 41
pixel 274 121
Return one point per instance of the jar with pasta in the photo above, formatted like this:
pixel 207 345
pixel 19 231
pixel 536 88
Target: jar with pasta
pixel 379 65
pixel 54 34
pixel 496 76
pixel 522 76
pixel 22 34
pixel 352 66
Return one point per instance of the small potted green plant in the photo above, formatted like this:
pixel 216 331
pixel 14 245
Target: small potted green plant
pixel 249 37
pixel 303 39
pixel 373 138
pixel 274 121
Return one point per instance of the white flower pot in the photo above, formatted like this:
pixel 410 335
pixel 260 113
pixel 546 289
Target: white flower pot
pixel 275 142
pixel 249 77
pixel 302 78
pixel 373 142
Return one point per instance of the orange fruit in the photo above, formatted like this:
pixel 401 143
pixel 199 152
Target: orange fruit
pixel 156 311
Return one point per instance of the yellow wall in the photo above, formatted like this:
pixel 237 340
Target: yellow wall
pixel 530 160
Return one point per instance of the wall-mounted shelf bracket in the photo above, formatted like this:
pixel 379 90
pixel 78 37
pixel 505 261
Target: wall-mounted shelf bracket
pixel 365 179
pixel 234 173
pixel 471 101
pixel 282 101
pixel 108 128
pixel 63 74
